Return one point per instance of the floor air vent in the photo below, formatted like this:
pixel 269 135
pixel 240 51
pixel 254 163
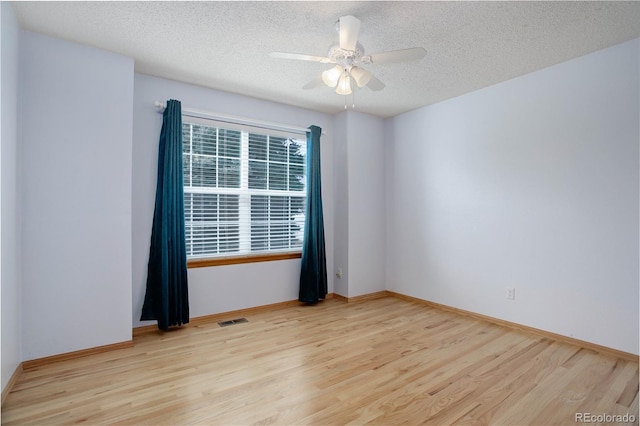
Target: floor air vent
pixel 232 322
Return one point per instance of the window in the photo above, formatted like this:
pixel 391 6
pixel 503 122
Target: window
pixel 244 192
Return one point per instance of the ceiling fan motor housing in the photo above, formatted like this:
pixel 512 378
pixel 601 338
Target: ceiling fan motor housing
pixel 347 58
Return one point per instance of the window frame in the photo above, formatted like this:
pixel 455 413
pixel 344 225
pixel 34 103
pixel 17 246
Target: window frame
pixel 259 256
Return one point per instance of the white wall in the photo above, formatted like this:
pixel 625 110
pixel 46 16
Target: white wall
pixel 76 187
pixel 531 183
pixel 9 195
pixel 367 242
pixel 221 288
pixel 341 194
pixel 360 203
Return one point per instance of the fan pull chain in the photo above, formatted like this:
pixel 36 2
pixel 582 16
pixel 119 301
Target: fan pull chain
pixel 347 78
pixel 353 98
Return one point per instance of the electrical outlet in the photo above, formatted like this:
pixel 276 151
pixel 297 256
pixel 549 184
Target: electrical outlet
pixel 511 293
pixel 339 273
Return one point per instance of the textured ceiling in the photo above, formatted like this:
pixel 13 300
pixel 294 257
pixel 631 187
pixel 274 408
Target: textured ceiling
pixel 226 45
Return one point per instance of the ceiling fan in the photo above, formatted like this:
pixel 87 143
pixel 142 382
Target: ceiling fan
pixel 348 56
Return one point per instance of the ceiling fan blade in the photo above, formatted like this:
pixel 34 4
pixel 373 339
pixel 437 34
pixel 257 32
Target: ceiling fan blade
pixel 301 57
pixel 349 30
pixel 375 84
pixel 313 83
pixel 412 54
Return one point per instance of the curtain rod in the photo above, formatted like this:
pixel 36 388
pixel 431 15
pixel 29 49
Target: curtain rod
pixel 160 106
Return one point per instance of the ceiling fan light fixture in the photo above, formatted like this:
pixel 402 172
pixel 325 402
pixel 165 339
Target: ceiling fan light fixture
pixel 344 85
pixel 331 76
pixel 361 76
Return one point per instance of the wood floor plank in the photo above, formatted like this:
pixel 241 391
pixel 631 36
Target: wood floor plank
pixel 382 361
pixel 521 380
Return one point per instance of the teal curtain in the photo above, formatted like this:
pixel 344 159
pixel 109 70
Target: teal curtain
pixel 167 299
pixel 313 274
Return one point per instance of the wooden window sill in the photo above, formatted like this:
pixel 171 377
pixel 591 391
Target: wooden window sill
pixel 235 260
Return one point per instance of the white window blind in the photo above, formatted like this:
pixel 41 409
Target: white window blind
pixel 244 191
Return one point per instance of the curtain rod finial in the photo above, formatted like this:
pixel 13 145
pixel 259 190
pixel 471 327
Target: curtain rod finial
pixel 160 106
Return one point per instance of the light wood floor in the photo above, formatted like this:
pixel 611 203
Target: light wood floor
pixel 385 361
